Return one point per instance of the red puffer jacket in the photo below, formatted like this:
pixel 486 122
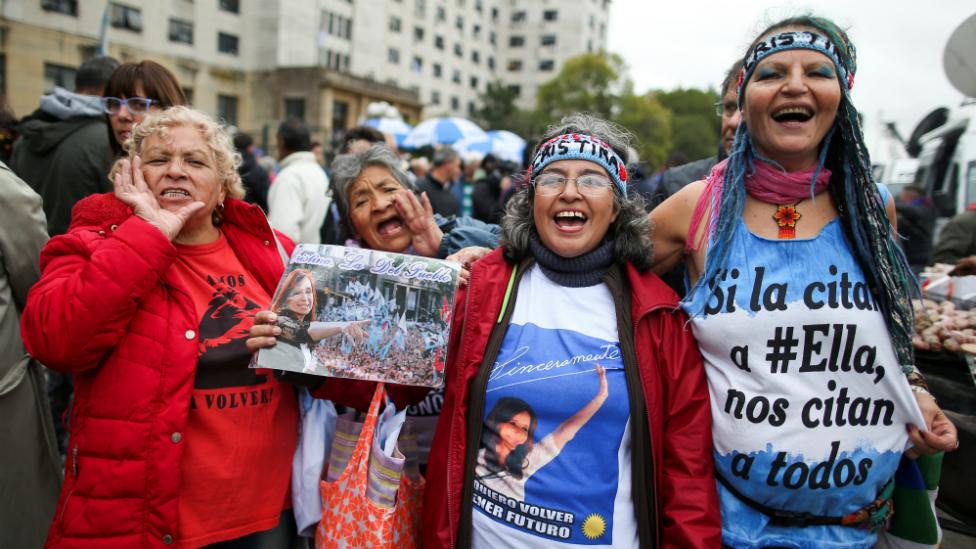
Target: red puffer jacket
pixel 673 381
pixel 109 310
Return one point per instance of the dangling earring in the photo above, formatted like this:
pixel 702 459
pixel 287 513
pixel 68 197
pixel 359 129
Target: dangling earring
pixel 218 214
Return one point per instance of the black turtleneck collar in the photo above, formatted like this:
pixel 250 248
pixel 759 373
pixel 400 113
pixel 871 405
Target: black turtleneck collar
pixel 575 272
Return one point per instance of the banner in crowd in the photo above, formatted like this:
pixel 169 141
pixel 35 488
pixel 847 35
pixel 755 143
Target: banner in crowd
pixel 363 314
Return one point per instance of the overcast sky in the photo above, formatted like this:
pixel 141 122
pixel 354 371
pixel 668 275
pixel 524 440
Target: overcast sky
pixel 691 43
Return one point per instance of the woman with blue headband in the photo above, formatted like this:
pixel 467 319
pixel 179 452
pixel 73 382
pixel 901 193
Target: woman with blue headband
pixel 575 410
pixel 799 301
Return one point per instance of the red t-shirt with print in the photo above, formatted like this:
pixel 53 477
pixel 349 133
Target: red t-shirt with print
pixel 242 426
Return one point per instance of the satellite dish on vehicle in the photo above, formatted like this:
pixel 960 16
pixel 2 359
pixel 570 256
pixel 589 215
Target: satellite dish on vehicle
pixel 959 57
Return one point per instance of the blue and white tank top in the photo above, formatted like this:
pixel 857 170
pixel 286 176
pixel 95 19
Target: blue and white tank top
pixel 809 404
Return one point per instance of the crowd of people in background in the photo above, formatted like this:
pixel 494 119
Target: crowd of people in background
pixel 96 162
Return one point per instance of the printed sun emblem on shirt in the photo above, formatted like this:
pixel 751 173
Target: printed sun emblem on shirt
pixel 594 526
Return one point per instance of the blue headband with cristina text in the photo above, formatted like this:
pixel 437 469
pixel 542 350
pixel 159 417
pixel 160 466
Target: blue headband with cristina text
pixel 580 146
pixel 793 40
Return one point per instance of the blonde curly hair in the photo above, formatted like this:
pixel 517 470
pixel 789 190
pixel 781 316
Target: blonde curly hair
pixel 216 136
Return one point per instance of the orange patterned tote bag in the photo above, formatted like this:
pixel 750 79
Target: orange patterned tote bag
pixel 369 499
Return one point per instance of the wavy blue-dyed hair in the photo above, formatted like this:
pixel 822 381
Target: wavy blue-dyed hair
pixel 860 208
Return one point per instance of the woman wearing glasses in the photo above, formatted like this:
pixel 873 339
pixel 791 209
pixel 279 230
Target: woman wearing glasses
pixel 133 91
pixel 567 320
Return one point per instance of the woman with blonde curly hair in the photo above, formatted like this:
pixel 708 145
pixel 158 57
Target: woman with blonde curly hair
pixel 147 300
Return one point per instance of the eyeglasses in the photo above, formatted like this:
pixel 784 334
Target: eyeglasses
pixel 726 108
pixel 549 184
pixel 135 105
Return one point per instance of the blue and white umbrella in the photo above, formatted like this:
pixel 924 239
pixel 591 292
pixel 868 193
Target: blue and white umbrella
pixel 393 126
pixel 442 131
pixel 500 143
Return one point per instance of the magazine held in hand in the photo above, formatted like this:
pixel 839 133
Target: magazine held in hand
pixel 363 314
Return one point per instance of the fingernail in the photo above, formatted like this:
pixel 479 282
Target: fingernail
pixel 273 317
pixel 276 331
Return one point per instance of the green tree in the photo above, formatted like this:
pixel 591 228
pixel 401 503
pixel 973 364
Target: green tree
pixel 694 126
pixel 590 82
pixel 497 107
pixel 499 112
pixel 650 122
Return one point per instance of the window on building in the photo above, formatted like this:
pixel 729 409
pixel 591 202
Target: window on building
pixel 441 13
pixel 435 97
pixel 548 40
pixel 393 55
pixel 340 119
pixel 592 21
pixel 58 75
pixel 518 16
pixel 494 14
pixel 479 5
pixel 417 65
pixel 474 82
pixel 459 23
pixel 125 17
pixel 476 31
pixel 338 25
pixel 188 94
pixel 515 89
pixel 476 57
pixel 491 63
pixel 516 41
pixel 547 65
pixel 394 24
pixel 67 7
pixel 514 65
pixel 491 38
pixel 456 76
pixel 227 43
pixel 438 70
pixel 458 49
pixel 233 6
pixel 420 6
pixel 180 31
pixel 455 103
pixel 295 108
pixel 439 42
pixel 227 109
pixel 550 15
pixel 589 46
pixel 418 34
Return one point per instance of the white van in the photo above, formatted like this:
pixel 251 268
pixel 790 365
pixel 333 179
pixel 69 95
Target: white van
pixel 947 163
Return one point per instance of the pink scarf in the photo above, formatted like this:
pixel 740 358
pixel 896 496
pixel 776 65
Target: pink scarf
pixel 767 183
pixel 775 186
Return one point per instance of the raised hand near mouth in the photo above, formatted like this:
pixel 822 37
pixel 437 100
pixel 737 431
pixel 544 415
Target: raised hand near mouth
pixel 131 189
pixel 418 215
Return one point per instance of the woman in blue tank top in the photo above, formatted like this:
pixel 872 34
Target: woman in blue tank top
pixel 799 299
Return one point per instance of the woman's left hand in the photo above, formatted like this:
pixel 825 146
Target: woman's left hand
pixel 940 434
pixel 467 256
pixel 419 216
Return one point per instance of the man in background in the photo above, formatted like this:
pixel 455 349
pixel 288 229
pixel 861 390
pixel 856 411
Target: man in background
pixel 673 179
pixel 255 178
pixel 300 196
pixel 438 181
pixel 63 152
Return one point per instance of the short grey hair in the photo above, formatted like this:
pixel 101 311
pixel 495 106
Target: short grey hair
pixel 631 231
pixel 346 169
pixel 443 155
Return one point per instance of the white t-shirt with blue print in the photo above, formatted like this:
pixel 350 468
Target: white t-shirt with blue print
pixel 577 495
pixel 809 404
